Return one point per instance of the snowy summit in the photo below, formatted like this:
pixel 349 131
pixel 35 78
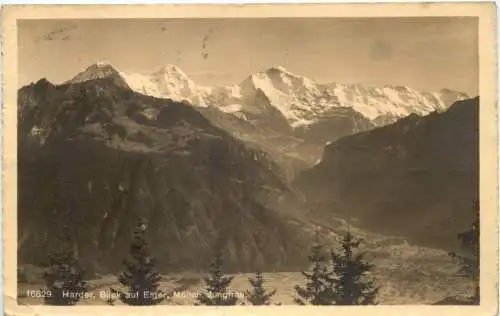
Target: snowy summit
pixel 301 100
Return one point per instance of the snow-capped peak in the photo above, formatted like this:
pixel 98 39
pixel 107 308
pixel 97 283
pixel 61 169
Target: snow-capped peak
pixel 103 63
pixel 102 66
pixel 97 70
pixel 172 70
pixel 170 82
pixel 277 68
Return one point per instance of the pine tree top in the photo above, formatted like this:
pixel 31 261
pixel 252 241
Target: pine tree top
pixel 140 276
pixel 349 275
pixel 258 295
pixel 64 276
pixel 315 291
pixel 217 285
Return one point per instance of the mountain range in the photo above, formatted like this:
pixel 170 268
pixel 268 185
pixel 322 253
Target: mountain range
pixel 299 101
pixel 243 167
pixel 290 117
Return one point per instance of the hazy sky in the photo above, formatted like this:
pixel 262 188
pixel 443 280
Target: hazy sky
pixel 423 53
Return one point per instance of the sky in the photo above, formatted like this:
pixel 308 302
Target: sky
pixel 425 53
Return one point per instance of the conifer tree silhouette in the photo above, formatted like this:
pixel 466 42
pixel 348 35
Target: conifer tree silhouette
pixel 217 286
pixel 64 279
pixel 350 284
pixel 316 291
pixel 258 295
pixel 140 277
pixel 469 262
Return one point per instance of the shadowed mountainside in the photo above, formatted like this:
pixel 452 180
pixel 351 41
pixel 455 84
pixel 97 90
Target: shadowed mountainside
pixel 95 156
pixel 416 178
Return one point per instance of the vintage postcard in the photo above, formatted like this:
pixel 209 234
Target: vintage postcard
pixel 250 159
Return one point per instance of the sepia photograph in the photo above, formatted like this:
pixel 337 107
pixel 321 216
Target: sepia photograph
pixel 260 160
